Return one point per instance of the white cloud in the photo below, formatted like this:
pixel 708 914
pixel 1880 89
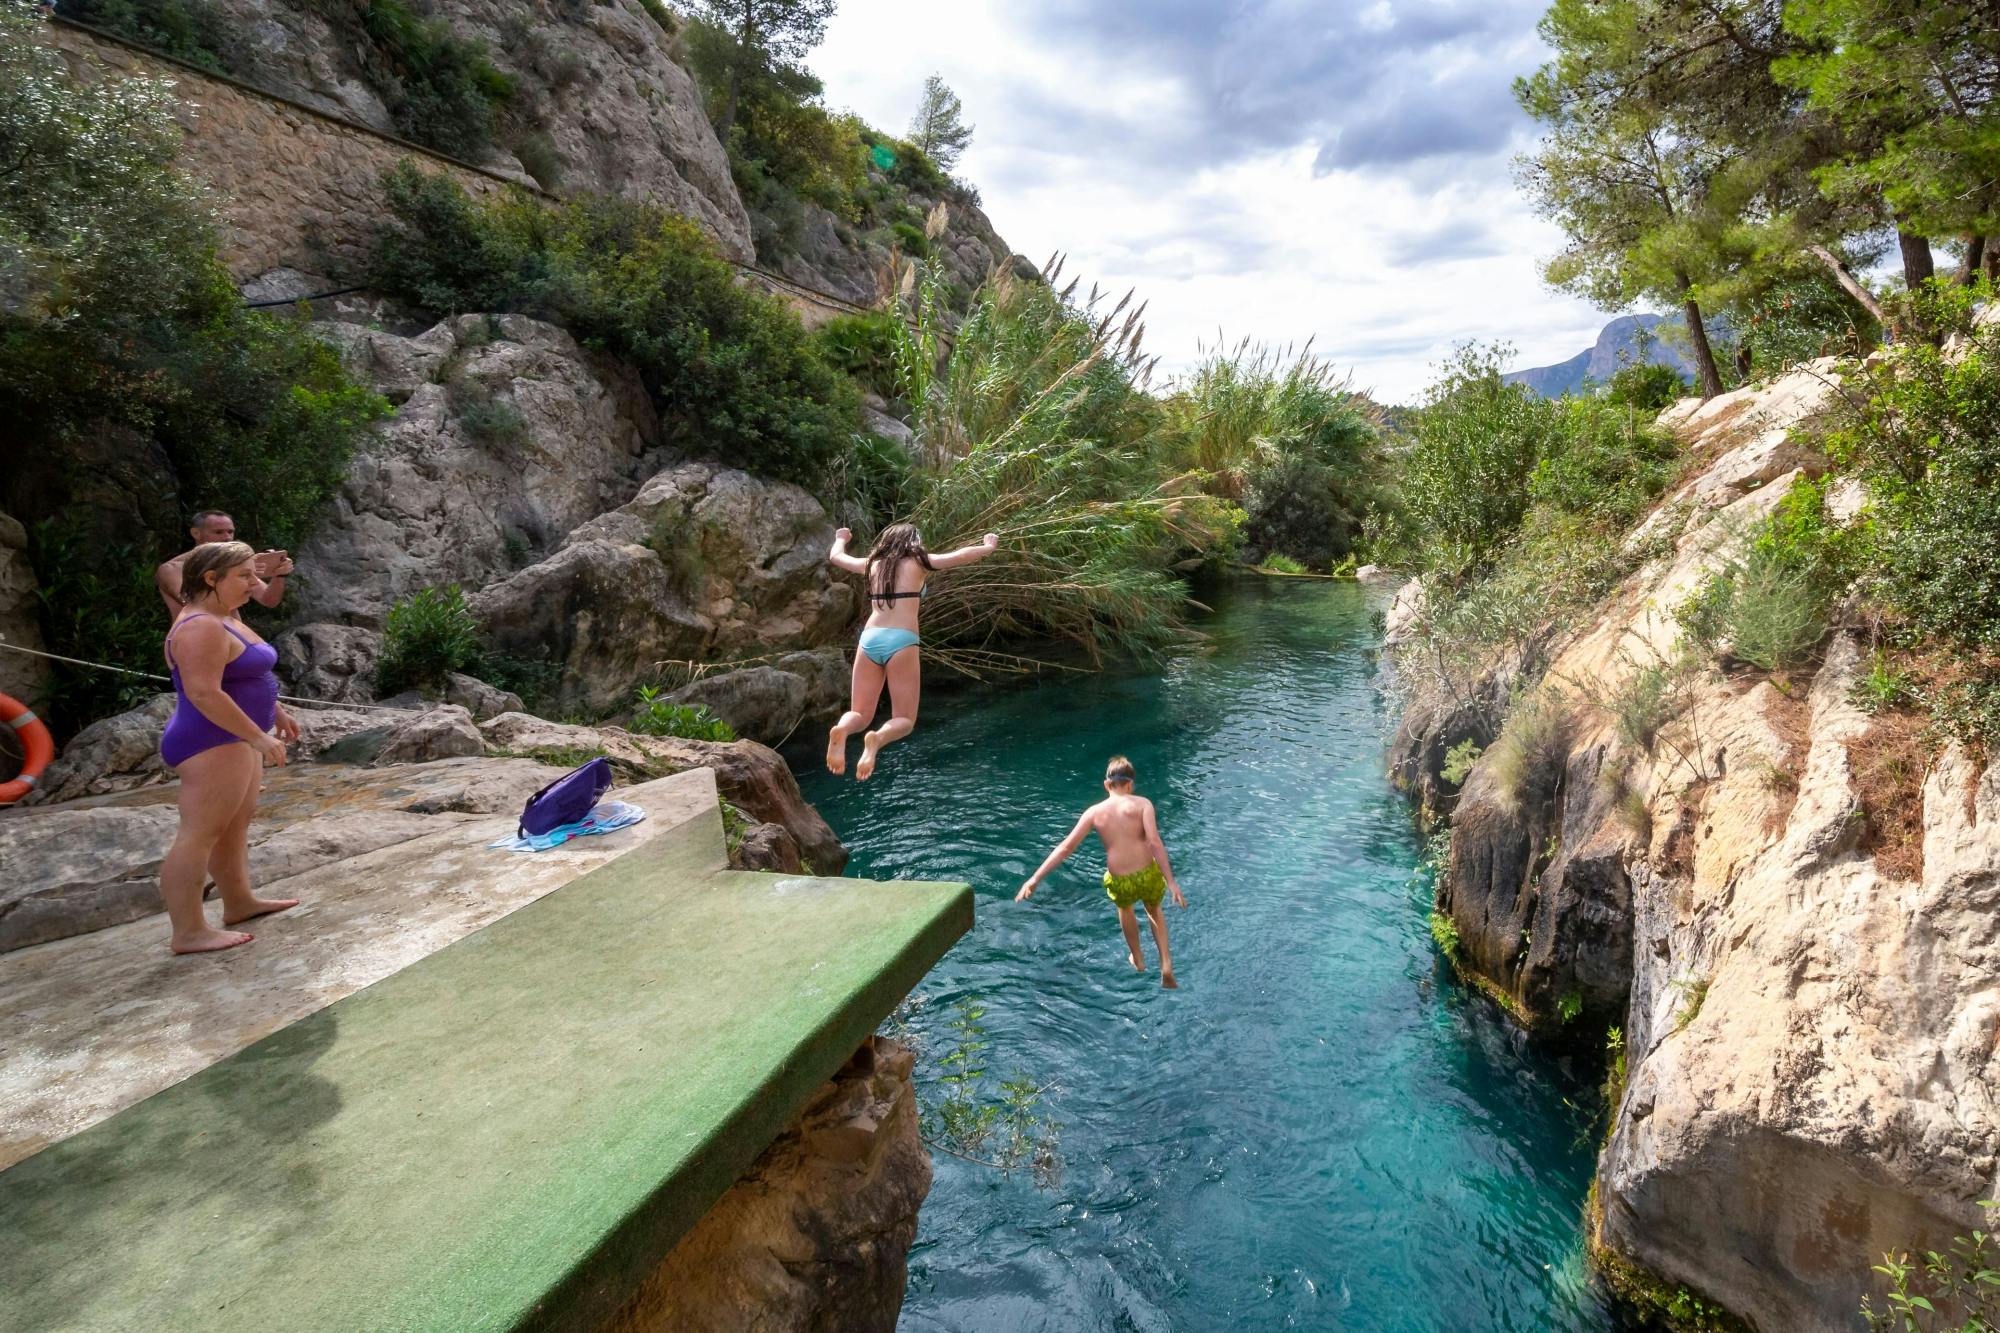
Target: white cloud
pixel 1116 143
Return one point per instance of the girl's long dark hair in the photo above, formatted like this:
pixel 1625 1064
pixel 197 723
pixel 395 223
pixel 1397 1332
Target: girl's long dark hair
pixel 898 542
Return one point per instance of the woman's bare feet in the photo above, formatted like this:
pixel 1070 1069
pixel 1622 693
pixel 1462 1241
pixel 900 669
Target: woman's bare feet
pixel 870 743
pixel 836 751
pixel 259 907
pixel 210 941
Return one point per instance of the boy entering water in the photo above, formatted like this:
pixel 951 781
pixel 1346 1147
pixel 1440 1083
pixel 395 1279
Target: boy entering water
pixel 1135 862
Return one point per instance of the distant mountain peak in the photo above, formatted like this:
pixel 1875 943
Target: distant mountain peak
pixel 1617 346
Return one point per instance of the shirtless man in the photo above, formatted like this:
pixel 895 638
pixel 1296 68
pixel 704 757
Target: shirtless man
pixel 212 525
pixel 1135 863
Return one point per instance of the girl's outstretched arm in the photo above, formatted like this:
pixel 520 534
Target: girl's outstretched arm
pixel 1057 857
pixel 1160 855
pixel 838 556
pixel 967 555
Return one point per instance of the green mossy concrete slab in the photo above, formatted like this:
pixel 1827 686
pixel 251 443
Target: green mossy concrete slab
pixel 509 1133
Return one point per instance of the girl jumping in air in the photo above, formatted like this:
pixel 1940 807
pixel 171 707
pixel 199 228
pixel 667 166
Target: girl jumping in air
pixel 897 573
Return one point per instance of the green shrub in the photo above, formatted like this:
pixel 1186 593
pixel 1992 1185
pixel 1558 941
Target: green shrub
pixel 1531 754
pixel 1458 761
pixel 1602 461
pixel 656 716
pixel 1293 506
pixel 1569 1007
pixel 1644 703
pixel 864 346
pixel 191 30
pixel 1282 564
pixel 1444 933
pixel 428 635
pixel 539 158
pixel 445 90
pixel 1964 1279
pixel 1882 686
pixel 1694 990
pixel 910 240
pixel 1800 318
pixel 732 371
pixel 1776 615
pixel 1647 387
pixel 660 14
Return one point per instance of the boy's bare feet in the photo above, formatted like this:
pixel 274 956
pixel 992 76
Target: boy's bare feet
pixel 836 751
pixel 866 768
pixel 210 941
pixel 1167 981
pixel 259 907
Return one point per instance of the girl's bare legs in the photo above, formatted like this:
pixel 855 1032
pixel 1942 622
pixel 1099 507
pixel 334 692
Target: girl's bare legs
pixel 1159 921
pixel 1129 923
pixel 864 692
pixel 906 680
pixel 229 863
pixel 212 784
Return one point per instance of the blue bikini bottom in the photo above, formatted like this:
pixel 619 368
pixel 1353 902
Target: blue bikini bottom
pixel 884 642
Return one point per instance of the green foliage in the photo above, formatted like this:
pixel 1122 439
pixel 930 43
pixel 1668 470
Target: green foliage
pixel 1458 761
pixel 428 635
pixel 1647 387
pixel 534 679
pixel 736 826
pixel 116 321
pixel 1799 317
pixel 97 602
pixel 1282 564
pixel 1602 459
pixel 1928 444
pixel 660 14
pixel 730 368
pixel 1614 1069
pixel 656 716
pixel 1693 991
pixel 1569 1007
pixel 1882 686
pixel 1531 754
pixel 910 239
pixel 191 30
pixel 443 91
pixel 968 1122
pixel 1965 1279
pixel 938 130
pixel 539 158
pixel 1036 427
pixel 1776 617
pixel 1444 933
pixel 864 346
pixel 1643 704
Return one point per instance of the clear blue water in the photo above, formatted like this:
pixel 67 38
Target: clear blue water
pixel 1320 1129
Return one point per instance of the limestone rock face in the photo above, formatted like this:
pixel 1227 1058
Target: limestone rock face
pixel 445 732
pixel 815 1235
pixel 1810 1021
pixel 506 436
pixel 327 661
pixel 111 754
pixel 760 703
pixel 598 83
pixel 20 675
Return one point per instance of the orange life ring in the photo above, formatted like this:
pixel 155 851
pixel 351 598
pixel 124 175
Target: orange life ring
pixel 35 739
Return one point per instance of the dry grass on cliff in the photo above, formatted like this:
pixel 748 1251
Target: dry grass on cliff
pixel 1889 762
pixel 1790 716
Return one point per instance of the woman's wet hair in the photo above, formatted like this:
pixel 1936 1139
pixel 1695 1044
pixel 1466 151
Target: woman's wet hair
pixel 898 542
pixel 1120 769
pixel 216 558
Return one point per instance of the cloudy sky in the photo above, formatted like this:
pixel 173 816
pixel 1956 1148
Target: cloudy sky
pixel 1283 169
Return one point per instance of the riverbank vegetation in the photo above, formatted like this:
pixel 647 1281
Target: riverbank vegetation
pixel 135 382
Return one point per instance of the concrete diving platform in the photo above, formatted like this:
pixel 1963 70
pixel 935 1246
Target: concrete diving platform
pixel 509 1131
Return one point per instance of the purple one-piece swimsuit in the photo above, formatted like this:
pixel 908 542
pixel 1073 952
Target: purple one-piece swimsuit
pixel 249 680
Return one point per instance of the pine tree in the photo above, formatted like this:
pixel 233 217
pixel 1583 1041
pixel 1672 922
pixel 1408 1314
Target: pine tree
pixel 938 128
pixel 765 34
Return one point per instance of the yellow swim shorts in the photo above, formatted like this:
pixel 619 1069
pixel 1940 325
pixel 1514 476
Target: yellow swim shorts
pixel 1146 886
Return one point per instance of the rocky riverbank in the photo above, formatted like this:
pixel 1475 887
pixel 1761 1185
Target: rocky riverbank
pixel 1787 911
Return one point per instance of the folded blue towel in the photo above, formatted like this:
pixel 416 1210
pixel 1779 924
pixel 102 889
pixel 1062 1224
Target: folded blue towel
pixel 603 818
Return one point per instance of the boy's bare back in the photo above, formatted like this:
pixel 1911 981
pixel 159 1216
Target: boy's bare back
pixel 1126 825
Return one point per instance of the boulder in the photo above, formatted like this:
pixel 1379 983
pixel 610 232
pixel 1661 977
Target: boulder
pixel 768 847
pixel 507 436
pixel 761 703
pixel 445 732
pixel 112 754
pixel 326 661
pixel 21 676
pixel 72 871
pixel 483 701
pixel 816 1234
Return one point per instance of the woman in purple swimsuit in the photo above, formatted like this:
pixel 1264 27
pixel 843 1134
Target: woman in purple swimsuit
pixel 217 742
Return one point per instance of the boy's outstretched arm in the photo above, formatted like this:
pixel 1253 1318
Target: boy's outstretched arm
pixel 966 555
pixel 1057 857
pixel 1160 855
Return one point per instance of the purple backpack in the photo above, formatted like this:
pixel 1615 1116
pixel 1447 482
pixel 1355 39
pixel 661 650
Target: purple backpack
pixel 566 800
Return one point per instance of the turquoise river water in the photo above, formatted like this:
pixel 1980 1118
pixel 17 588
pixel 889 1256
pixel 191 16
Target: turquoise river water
pixel 1320 1129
